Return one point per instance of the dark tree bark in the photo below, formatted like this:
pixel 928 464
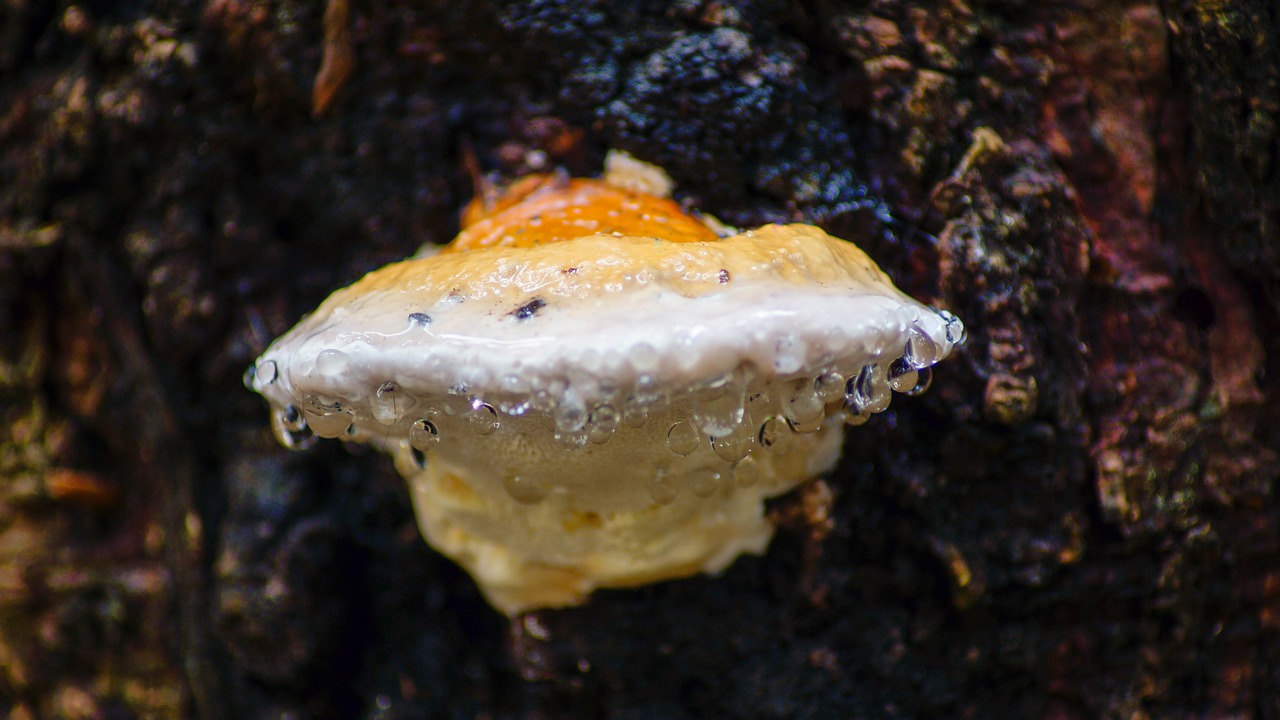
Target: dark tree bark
pixel 1080 519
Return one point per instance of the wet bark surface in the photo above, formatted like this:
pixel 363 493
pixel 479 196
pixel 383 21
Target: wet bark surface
pixel 1079 519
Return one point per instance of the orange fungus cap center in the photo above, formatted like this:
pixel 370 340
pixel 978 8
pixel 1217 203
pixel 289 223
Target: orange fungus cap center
pixel 546 209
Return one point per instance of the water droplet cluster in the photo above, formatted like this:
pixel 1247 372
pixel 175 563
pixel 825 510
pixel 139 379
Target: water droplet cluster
pixel 291 429
pixel 714 434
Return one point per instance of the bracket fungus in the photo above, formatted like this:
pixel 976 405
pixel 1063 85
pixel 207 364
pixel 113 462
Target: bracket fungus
pixel 590 387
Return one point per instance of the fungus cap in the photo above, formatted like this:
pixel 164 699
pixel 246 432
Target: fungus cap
pixel 603 409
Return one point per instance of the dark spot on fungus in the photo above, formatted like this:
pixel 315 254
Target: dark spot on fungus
pixel 419 319
pixel 724 276
pixel 529 309
pixel 569 270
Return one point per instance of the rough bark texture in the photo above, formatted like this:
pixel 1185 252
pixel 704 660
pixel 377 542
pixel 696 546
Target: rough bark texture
pixel 1080 519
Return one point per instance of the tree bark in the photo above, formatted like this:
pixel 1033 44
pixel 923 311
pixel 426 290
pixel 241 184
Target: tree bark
pixel 1079 519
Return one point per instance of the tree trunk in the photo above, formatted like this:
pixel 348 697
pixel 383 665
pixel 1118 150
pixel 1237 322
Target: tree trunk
pixel 1079 519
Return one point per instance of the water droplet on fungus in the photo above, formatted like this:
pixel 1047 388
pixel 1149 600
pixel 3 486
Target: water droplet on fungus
pixel 902 376
pixel 327 423
pixel 775 435
pixel 802 406
pixel 829 387
pixel 386 404
pixel 924 377
pixel 869 391
pixel 853 417
pixel 523 490
pixel 601 424
pixel 634 411
pixel 331 363
pixel 736 444
pixel 683 438
pixel 718 410
pixel 571 413
pixel 921 350
pixel 267 372
pixel 955 330
pixel 291 429
pixel 482 418
pixel 424 435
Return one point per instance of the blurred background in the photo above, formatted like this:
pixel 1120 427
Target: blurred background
pixel 1078 520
